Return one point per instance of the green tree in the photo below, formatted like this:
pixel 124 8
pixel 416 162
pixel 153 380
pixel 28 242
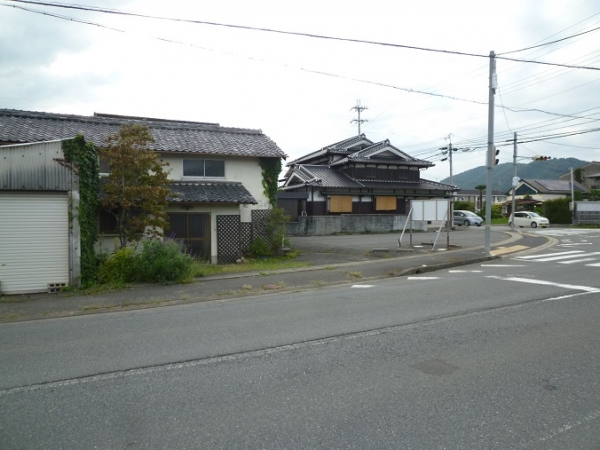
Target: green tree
pixel 136 190
pixel 594 195
pixel 481 188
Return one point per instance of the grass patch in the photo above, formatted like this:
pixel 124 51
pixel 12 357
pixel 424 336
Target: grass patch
pixel 355 274
pixel 200 269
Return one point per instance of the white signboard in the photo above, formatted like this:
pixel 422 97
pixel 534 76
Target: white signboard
pixel 430 209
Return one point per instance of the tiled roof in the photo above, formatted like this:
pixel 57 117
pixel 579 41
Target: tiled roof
pixel 422 185
pixel 170 135
pixel 326 177
pixel 211 192
pixel 348 142
pixel 339 148
pixel 323 176
pixel 369 155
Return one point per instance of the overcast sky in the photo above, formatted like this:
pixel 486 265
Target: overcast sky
pixel 300 90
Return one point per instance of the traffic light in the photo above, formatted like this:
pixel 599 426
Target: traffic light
pixel 541 158
pixel 496 153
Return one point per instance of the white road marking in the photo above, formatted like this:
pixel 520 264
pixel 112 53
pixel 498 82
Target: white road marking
pixel 549 254
pixel 576 243
pixel 556 258
pixel 465 271
pixel 364 286
pixel 423 278
pixel 575 261
pixel 503 265
pixel 593 265
pixel 547 283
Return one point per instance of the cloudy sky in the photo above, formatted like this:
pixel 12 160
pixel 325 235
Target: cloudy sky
pixel 300 90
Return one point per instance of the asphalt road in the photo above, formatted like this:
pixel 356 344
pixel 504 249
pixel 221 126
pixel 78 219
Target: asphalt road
pixel 501 355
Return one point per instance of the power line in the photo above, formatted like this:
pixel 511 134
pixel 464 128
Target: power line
pixel 552 42
pixel 289 33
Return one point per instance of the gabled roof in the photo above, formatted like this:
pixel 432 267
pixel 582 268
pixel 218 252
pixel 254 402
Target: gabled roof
pixel 170 135
pixel 327 177
pixel 554 186
pixel 360 149
pixel 384 153
pixel 343 147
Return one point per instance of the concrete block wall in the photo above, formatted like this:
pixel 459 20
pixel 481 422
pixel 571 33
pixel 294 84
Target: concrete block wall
pixel 350 223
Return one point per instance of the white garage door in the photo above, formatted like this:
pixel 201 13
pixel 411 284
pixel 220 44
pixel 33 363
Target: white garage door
pixel 34 241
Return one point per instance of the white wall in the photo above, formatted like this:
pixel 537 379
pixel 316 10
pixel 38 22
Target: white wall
pixel 244 170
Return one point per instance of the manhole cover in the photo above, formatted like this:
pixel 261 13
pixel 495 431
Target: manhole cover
pixel 435 367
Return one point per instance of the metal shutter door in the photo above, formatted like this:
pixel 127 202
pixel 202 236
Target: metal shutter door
pixel 34 241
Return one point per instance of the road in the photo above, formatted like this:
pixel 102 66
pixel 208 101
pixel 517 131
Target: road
pixel 498 355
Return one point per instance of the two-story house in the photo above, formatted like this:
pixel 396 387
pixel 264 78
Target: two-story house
pixel 357 176
pixel 215 173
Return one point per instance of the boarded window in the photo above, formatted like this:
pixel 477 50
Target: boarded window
pixel 340 204
pixel 385 203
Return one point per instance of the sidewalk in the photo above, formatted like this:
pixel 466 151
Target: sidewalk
pixel 333 259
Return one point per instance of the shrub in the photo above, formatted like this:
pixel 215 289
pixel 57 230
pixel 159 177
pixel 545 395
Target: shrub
pixel 273 228
pixel 118 268
pixel 155 261
pixel 259 248
pixel 557 210
pixel 464 205
pixel 161 261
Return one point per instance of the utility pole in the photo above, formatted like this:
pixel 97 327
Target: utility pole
pixel 450 157
pixel 490 153
pixel 358 108
pixel 572 199
pixel 450 150
pixel 515 182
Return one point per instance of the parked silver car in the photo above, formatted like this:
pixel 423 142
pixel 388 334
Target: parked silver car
pixel 463 217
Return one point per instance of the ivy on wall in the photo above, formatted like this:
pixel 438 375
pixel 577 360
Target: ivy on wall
pixel 84 160
pixel 271 167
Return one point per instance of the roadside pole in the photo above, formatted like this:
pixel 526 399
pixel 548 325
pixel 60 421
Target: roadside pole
pixel 490 154
pixel 515 182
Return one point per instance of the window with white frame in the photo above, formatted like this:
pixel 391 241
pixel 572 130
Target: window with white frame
pixel 204 168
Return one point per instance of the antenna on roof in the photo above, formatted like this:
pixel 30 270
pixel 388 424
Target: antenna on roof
pixel 358 108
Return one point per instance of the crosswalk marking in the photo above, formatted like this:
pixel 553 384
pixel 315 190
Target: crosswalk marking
pixel 556 258
pixel 549 254
pixel 423 278
pixel 593 265
pixel 575 261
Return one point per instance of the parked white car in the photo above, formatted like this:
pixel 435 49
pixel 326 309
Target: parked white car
pixel 529 219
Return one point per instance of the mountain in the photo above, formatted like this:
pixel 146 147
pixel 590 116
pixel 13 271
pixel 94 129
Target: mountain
pixel 502 174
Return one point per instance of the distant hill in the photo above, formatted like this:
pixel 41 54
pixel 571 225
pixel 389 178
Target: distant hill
pixel 503 173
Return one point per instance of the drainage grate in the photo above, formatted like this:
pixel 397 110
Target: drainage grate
pixel 55 287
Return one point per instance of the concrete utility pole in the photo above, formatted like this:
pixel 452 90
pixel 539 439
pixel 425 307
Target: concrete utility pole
pixel 358 108
pixel 490 154
pixel 515 182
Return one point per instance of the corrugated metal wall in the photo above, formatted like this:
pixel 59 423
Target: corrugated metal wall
pixel 33 167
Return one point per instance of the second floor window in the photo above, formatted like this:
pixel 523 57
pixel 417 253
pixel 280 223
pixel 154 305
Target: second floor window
pixel 207 168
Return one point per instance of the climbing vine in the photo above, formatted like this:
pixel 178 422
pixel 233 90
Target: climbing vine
pixel 84 159
pixel 271 167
